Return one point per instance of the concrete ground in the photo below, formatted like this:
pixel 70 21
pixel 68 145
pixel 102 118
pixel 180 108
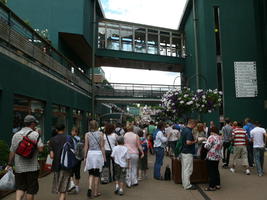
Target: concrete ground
pixel 234 187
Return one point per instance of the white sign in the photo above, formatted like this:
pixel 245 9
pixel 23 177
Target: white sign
pixel 245 79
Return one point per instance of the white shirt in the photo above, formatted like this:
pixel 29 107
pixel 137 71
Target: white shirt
pixel 120 155
pixel 257 134
pixel 174 135
pixel 112 138
pixel 160 140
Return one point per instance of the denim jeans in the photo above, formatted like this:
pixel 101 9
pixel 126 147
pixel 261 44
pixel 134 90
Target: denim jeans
pixel 159 151
pixel 259 159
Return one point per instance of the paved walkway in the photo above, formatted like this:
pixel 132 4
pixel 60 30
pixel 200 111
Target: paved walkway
pixel 236 186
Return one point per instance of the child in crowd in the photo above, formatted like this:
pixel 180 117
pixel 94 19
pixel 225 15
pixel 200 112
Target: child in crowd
pixel 143 161
pixel 121 159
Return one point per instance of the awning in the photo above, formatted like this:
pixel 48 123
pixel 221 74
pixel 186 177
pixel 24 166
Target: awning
pixel 79 45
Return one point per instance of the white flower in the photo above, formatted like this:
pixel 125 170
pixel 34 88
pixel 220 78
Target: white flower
pixel 203 97
pixel 173 104
pixel 202 106
pixel 219 100
pixel 197 105
pixel 209 111
pixel 186 95
pixel 193 98
pixel 220 92
pixel 199 90
pixel 181 102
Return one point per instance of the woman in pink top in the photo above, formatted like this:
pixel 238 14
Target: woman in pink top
pixel 132 142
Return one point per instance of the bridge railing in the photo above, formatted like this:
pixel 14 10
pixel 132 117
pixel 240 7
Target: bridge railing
pixel 133 90
pixel 18 37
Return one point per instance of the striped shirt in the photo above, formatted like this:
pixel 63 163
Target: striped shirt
pixel 239 137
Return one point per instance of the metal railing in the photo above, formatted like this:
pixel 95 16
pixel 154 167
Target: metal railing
pixel 19 37
pixel 133 90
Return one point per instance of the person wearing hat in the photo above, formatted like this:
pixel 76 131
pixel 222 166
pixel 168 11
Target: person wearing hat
pixel 26 169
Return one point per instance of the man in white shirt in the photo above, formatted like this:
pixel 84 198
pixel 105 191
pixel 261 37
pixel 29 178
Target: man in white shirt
pixel 258 136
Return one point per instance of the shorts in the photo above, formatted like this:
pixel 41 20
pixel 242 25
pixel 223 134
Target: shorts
pixel 142 163
pixel 27 181
pixel 94 172
pixel 120 173
pixel 61 181
pixel 76 171
pixel 240 152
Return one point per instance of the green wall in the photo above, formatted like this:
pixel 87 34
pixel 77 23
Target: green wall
pixel 30 83
pixel 241 41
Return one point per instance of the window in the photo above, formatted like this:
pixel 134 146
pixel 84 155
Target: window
pixel 153 42
pixel 126 38
pixel 27 106
pixel 101 37
pixel 113 37
pixel 59 115
pixel 77 119
pixel 165 43
pixel 140 40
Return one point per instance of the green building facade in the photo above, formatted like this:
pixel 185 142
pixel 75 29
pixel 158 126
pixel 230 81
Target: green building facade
pixel 227 32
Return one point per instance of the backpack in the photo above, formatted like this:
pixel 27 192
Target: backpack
pixel 68 158
pixel 154 134
pixel 179 146
pixel 78 148
pixel 27 147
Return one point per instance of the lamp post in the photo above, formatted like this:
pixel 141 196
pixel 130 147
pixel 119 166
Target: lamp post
pixel 196 43
pixel 93 59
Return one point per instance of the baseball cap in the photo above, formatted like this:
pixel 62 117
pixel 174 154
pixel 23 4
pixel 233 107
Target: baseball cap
pixel 30 118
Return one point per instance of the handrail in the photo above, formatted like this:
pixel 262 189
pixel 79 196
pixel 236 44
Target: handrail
pixel 17 24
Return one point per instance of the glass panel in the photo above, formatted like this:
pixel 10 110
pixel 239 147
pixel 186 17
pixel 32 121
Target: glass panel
pixel 77 119
pixel 101 37
pixel 109 25
pixel 113 39
pixel 24 106
pixel 152 31
pixel 59 116
pixel 140 42
pixel 152 44
pixel 176 47
pixel 164 44
pixel 139 29
pixel 127 39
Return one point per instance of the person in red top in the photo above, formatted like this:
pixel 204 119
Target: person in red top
pixel 240 140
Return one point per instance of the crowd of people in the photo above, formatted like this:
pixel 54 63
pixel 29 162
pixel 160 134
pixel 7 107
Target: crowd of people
pixel 120 154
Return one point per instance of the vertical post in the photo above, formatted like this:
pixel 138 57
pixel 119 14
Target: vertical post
pixel 47 120
pixel 93 60
pixel 6 115
pixel 146 40
pixel 196 44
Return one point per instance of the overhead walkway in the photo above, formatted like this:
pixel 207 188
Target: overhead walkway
pixel 131 93
pixel 131 45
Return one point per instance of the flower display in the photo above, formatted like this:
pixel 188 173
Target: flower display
pixel 179 102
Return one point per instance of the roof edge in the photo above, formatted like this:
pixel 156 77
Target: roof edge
pixel 101 8
pixel 186 12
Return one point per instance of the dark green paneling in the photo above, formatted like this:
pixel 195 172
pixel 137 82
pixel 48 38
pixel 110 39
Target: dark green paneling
pixel 6 113
pixel 241 39
pixel 139 56
pixel 56 16
pixel 28 82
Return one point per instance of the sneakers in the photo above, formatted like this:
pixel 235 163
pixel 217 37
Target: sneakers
pixel 192 188
pixel 232 170
pixel 116 191
pixel 247 172
pixel 120 192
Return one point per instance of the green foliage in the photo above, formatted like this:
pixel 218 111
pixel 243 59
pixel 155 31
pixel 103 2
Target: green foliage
pixel 4 151
pixel 43 155
pixel 4 1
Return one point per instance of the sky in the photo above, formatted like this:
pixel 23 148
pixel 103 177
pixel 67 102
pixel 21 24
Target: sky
pixel 159 13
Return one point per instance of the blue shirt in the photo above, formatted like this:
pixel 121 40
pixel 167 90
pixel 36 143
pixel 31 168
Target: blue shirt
pixel 248 127
pixel 187 134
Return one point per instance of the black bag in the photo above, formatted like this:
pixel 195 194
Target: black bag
pixel 167 174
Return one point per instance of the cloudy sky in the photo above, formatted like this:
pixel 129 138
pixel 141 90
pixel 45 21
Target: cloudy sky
pixel 160 13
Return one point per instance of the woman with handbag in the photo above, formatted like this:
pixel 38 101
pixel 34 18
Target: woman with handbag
pixel 110 139
pixel 214 146
pixel 94 157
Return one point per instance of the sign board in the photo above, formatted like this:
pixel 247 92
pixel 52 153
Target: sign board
pixel 245 79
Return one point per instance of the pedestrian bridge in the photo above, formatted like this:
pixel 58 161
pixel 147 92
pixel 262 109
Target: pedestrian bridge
pixel 131 93
pixel 131 45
